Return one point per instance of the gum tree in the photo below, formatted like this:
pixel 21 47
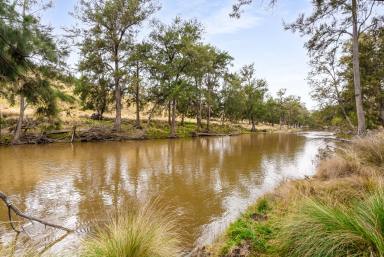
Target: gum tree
pixel 109 28
pixel 331 23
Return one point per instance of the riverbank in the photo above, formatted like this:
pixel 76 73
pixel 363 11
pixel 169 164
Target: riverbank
pixel 89 130
pixel 337 212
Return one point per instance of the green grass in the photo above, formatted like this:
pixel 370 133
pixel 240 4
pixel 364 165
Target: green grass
pixel 149 231
pixel 254 229
pixel 321 230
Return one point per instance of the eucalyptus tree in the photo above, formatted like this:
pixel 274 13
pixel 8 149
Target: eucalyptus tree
pixel 200 57
pixel 371 47
pixel 281 105
pixel 94 93
pixel 331 23
pixel 30 57
pixel 111 26
pixel 272 111
pixel 233 98
pixel 254 91
pixel 172 49
pixel 217 67
pixel 328 84
pixel 93 86
pixel 138 61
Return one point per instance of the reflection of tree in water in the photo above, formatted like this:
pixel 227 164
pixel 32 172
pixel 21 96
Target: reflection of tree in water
pixel 194 175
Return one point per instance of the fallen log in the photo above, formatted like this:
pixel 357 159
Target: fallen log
pixel 207 134
pixel 11 207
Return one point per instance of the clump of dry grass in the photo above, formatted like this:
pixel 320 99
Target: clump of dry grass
pixel 337 167
pixel 367 151
pixel 362 157
pixel 148 231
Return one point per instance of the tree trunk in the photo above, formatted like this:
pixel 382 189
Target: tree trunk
pixel 209 108
pixel 382 111
pixel 346 117
pixel 17 134
pixel 199 114
pixel 182 119
pixel 169 114
pixel 361 126
pixel 173 126
pixel 137 96
pixel 209 117
pixel 253 125
pixel 1 121
pixel 281 122
pixel 151 114
pixel 117 125
pixel 199 105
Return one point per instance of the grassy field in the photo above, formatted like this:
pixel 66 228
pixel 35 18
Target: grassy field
pixel 339 212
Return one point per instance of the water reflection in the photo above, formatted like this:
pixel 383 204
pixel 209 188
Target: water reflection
pixel 208 180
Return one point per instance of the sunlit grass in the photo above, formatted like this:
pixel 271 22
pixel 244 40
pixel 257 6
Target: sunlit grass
pixel 149 231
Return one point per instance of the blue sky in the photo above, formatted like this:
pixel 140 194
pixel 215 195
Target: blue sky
pixel 258 37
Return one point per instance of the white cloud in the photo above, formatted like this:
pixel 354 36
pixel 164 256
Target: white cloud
pixel 214 15
pixel 220 22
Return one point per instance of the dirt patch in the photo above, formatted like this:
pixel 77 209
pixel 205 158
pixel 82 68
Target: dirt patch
pixel 243 250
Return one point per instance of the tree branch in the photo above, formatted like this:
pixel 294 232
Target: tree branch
pixel 11 207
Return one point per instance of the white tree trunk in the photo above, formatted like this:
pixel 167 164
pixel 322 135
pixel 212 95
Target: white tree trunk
pixel 361 126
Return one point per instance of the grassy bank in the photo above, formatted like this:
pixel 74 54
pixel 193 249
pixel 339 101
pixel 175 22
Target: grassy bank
pixel 339 212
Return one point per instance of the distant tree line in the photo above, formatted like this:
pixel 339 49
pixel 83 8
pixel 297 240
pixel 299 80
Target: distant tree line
pixel 171 70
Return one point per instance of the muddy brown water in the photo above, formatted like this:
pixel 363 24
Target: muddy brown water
pixel 208 181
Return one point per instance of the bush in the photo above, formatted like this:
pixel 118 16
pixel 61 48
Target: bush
pixel 149 231
pixel 324 231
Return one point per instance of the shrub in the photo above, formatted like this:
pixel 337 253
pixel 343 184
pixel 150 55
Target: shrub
pixel 321 230
pixel 149 231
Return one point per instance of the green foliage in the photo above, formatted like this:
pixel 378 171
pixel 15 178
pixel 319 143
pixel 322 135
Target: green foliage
pixel 93 96
pixel 30 57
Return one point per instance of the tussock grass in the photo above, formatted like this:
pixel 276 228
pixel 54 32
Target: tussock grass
pixel 362 157
pixel 318 229
pixel 148 231
pixel 367 151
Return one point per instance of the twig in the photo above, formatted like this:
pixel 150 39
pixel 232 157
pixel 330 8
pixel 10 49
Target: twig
pixel 11 207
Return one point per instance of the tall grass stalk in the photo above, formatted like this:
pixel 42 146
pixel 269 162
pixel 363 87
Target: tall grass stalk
pixel 319 230
pixel 149 231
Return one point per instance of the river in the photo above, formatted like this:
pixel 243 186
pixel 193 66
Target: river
pixel 208 181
